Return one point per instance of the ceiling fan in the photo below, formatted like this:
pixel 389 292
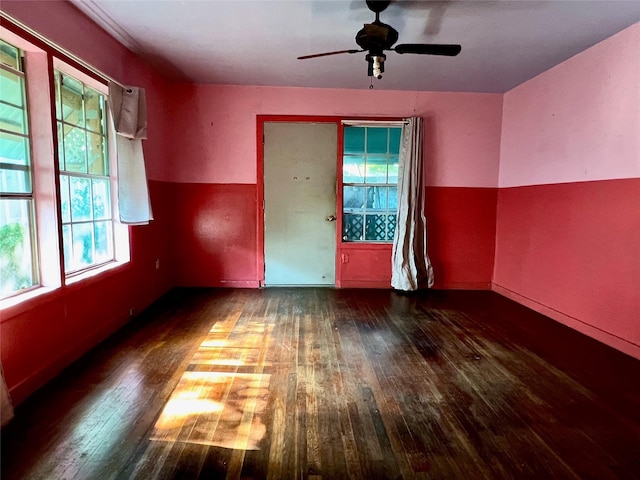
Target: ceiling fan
pixel 377 37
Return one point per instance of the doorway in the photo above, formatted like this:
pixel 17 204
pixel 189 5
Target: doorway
pixel 300 161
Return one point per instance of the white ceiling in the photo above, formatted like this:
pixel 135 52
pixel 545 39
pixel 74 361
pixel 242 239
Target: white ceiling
pixel 256 42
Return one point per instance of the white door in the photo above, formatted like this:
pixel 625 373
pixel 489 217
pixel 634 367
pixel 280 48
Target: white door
pixel 300 203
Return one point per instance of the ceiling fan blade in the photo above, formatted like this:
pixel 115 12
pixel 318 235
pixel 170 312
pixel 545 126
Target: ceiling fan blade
pixel 428 49
pixel 304 57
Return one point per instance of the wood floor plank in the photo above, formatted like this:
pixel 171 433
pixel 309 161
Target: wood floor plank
pixel 313 383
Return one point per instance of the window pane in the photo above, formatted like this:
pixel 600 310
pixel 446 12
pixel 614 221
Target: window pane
pixel 353 169
pixel 82 245
pixel 97 163
pixel 16 249
pixel 392 198
pixel 11 86
pixel 14 149
pixel 393 170
pixel 103 241
pixel 15 174
pixel 352 227
pixel 9 55
pixel 64 199
pixel 394 140
pixel 376 197
pixel 354 139
pixel 75 150
pixel 12 118
pixel 93 102
pixel 80 200
pixel 376 228
pixel 72 107
pixel 61 161
pixel 67 243
pixel 15 180
pixel 377 140
pixel 101 199
pixel 392 220
pixel 353 197
pixel 376 169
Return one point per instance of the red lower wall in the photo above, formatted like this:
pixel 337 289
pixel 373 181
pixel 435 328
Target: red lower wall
pixel 461 225
pixel 42 336
pixel 572 252
pixel 215 241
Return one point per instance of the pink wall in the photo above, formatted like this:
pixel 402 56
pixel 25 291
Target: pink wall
pixel 215 127
pixel 578 121
pixel 41 336
pixel 568 225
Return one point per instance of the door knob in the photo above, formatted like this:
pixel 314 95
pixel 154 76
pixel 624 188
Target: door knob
pixel 330 218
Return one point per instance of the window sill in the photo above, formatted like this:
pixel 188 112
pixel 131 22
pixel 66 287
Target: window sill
pixel 15 305
pixel 366 245
pixel 89 275
pixel 38 296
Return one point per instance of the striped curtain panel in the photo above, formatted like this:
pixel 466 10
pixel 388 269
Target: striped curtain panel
pixel 410 265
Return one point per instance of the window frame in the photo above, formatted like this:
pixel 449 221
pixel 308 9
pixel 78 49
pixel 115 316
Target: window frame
pixel 91 178
pixel 41 59
pixel 28 196
pixel 364 184
pixel 120 232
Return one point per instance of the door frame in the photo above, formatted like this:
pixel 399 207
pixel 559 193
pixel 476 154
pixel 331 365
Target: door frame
pixel 260 121
pixel 336 119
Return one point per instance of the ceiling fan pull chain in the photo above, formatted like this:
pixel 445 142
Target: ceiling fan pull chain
pixel 371 85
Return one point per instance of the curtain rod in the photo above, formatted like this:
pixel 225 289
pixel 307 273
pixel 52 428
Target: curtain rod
pixel 375 123
pixel 60 50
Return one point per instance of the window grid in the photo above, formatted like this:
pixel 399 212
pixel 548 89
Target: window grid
pixel 374 218
pixel 18 252
pixel 85 185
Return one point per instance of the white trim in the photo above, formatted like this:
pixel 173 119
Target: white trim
pixel 64 67
pixel 373 123
pixel 56 48
pixel 92 10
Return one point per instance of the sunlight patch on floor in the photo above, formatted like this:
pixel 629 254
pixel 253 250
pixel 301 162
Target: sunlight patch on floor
pixel 221 397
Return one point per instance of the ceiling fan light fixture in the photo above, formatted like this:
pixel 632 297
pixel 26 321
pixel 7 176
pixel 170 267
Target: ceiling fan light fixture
pixel 376 64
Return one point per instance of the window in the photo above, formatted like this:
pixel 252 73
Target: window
pixel 18 262
pixel 85 185
pixel 57 225
pixel 370 183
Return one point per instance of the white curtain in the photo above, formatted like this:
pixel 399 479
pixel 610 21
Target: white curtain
pixel 6 409
pixel 129 113
pixel 410 265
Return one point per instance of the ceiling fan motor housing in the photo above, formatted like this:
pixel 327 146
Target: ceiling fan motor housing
pixel 376 37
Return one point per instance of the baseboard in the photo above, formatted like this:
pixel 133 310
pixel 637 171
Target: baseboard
pixel 596 333
pixel 376 284
pixel 462 286
pixel 237 284
pixel 438 286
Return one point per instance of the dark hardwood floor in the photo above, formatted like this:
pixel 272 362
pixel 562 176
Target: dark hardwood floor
pixel 323 384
